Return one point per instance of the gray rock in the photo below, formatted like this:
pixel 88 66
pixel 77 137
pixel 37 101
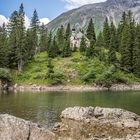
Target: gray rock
pixel 88 123
pixel 83 113
pixel 12 128
pixel 112 9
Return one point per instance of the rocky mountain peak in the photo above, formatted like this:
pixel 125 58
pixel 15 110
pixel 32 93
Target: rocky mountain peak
pixel 112 9
pixel 128 3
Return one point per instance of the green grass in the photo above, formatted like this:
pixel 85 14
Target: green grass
pixel 76 70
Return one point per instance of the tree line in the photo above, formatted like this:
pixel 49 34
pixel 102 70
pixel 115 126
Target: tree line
pixel 119 46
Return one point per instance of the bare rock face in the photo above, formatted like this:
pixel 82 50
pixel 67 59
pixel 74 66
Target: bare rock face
pixel 112 9
pixel 83 113
pixel 87 123
pixel 12 128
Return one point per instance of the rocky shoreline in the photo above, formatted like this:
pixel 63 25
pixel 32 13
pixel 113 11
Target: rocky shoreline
pixel 45 88
pixel 95 123
pixel 77 123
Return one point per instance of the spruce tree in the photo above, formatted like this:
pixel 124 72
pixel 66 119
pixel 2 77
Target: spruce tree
pixel 128 36
pixel 120 29
pixel 50 71
pixel 16 43
pixel 53 50
pixel 106 33
pixel 43 41
pixel 34 29
pixel 3 47
pixel 112 46
pixel 13 42
pixel 99 47
pixel 91 37
pixel 136 53
pixel 90 50
pixel 60 38
pixel 83 45
pixel 21 38
pixel 100 41
pixel 66 52
pixel 91 32
pixel 68 32
pixel 133 36
pixel 125 49
pixel 28 44
pixel 49 42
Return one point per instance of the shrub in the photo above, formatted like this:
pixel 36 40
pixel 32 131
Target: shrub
pixel 55 78
pixel 107 78
pixel 39 76
pixel 5 74
pixel 89 77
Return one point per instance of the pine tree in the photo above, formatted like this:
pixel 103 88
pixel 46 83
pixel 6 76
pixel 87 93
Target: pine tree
pixel 125 49
pixel 50 70
pixel 112 46
pixel 16 29
pixel 136 53
pixel 66 52
pixel 133 35
pixel 68 32
pixel 49 42
pixel 12 42
pixel 53 50
pixel 43 41
pixel 34 29
pixel 100 41
pixel 21 38
pixel 99 47
pixel 3 47
pixel 90 51
pixel 91 32
pixel 106 33
pixel 92 38
pixel 28 44
pixel 83 45
pixel 60 38
pixel 128 42
pixel 120 29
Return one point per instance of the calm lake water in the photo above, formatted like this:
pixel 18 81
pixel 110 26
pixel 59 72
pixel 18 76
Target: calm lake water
pixel 45 108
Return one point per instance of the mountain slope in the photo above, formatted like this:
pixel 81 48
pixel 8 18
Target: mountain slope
pixel 112 9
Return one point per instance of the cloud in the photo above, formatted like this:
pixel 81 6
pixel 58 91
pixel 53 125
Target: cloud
pixel 44 21
pixel 70 4
pixel 3 19
pixel 27 22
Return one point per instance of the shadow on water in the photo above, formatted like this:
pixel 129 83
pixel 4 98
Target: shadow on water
pixel 45 108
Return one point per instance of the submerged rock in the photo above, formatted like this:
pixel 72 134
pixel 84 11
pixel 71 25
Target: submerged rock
pixel 86 123
pixel 12 128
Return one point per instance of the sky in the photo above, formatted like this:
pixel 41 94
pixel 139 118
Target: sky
pixel 47 9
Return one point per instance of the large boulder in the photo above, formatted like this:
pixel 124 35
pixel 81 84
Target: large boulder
pixel 12 128
pixel 83 113
pixel 86 123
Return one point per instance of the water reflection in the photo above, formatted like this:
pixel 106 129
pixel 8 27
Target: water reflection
pixel 45 108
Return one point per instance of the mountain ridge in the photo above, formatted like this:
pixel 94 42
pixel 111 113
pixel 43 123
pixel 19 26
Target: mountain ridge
pixel 112 9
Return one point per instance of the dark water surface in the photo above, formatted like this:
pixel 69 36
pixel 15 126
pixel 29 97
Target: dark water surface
pixel 45 108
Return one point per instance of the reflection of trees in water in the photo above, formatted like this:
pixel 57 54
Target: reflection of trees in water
pixel 45 108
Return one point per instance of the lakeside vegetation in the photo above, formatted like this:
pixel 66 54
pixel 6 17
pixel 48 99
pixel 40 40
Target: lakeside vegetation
pixel 38 56
pixel 74 70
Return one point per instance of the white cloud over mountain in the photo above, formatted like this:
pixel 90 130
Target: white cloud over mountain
pixel 44 21
pixel 70 4
pixel 5 20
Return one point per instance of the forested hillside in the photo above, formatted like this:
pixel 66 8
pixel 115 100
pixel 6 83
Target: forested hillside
pixel 35 55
